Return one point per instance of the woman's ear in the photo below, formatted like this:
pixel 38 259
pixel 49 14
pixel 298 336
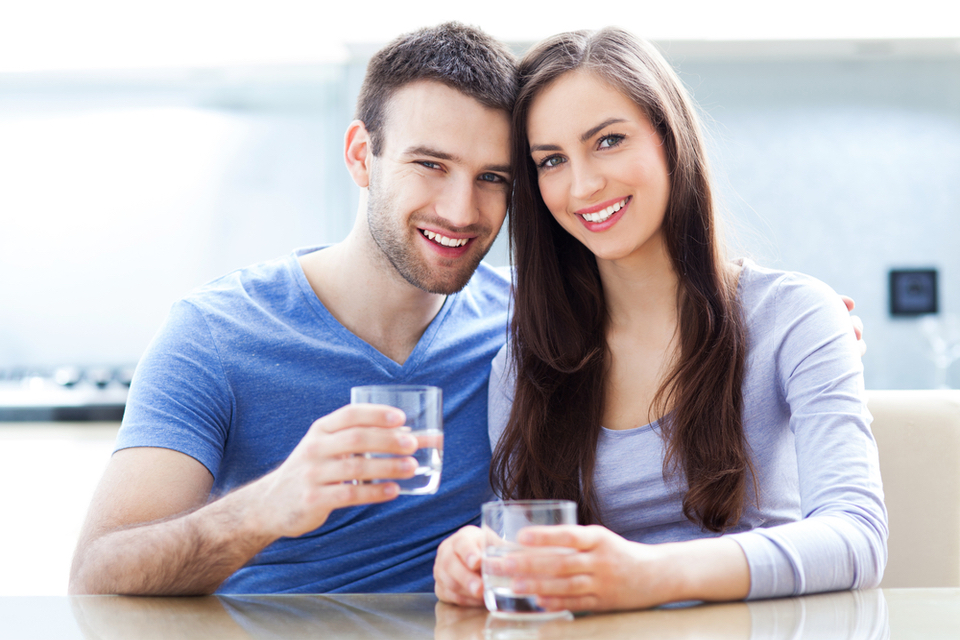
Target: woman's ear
pixel 357 153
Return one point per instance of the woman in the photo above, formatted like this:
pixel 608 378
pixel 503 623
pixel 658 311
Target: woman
pixel 707 416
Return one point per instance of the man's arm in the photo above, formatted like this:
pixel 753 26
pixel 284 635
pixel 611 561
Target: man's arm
pixel 150 530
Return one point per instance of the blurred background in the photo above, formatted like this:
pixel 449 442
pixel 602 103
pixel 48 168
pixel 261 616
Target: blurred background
pixel 146 148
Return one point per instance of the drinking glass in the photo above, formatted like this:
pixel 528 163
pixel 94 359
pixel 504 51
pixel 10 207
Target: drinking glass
pixel 501 521
pixel 423 406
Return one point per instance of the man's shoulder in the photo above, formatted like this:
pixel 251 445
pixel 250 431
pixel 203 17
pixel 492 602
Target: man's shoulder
pixel 490 281
pixel 253 285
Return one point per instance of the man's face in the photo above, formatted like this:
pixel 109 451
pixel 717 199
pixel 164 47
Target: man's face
pixel 438 191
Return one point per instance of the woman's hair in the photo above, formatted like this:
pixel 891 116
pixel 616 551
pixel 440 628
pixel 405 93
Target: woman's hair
pixel 548 449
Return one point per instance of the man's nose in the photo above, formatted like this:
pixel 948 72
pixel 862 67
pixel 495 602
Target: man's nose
pixel 459 204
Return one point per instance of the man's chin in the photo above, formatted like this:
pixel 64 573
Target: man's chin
pixel 444 286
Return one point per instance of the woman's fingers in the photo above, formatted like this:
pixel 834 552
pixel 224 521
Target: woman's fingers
pixel 567 535
pixel 456 571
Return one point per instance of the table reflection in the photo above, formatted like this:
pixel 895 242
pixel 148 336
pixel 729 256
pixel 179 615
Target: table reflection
pixel 849 615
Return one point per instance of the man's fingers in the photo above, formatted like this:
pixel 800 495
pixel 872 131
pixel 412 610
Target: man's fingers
pixel 359 440
pixel 364 468
pixel 352 415
pixel 350 495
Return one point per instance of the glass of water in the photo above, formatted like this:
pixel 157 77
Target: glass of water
pixel 423 406
pixel 501 522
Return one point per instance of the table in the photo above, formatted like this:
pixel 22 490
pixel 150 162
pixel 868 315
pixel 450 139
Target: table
pixel 858 615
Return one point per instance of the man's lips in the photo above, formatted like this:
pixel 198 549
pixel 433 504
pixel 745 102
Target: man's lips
pixel 444 240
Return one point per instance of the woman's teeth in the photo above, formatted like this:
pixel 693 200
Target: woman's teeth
pixel 444 240
pixel 600 216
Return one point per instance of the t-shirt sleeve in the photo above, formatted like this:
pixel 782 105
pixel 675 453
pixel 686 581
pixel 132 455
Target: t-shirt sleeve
pixel 840 542
pixel 179 398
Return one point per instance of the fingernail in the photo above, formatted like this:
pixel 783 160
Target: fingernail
pixel 395 416
pixel 476 587
pixel 520 586
pixel 473 560
pixel 408 441
pixel 408 464
pixel 391 489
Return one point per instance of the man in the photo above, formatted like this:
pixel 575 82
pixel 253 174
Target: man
pixel 226 477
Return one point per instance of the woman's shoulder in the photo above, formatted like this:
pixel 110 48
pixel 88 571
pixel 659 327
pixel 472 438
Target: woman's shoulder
pixel 763 289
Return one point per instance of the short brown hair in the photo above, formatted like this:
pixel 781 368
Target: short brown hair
pixel 461 57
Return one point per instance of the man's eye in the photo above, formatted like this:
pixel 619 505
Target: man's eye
pixel 429 165
pixel 492 177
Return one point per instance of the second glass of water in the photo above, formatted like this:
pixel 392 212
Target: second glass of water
pixel 423 406
pixel 501 522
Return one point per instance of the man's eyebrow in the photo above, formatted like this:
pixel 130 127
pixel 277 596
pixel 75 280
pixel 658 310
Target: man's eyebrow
pixel 430 151
pixel 500 168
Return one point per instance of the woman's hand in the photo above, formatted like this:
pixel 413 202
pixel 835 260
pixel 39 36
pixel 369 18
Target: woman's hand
pixel 607 572
pixel 456 570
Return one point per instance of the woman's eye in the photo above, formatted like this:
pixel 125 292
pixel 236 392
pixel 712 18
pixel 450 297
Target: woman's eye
pixel 550 161
pixel 611 140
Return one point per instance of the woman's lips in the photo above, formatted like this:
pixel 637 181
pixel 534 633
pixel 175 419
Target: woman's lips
pixel 596 217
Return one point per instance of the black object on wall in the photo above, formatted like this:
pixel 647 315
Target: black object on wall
pixel 913 292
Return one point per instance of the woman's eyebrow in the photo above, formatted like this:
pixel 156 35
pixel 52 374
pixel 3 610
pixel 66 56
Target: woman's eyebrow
pixel 583 138
pixel 544 147
pixel 595 130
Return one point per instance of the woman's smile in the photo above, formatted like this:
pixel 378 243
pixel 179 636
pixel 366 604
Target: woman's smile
pixel 600 165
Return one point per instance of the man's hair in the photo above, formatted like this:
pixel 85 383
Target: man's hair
pixel 461 57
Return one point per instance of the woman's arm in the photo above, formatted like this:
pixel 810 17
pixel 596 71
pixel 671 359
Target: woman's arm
pixel 607 572
pixel 840 540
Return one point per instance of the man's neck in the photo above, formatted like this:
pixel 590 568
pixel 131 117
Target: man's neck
pixel 367 296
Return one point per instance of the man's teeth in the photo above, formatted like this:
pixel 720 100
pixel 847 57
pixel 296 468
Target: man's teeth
pixel 444 240
pixel 600 216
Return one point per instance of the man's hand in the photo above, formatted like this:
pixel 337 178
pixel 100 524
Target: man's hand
pixel 456 570
pixel 857 324
pixel 329 469
pixel 150 529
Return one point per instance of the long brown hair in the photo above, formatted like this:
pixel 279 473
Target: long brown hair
pixel 548 449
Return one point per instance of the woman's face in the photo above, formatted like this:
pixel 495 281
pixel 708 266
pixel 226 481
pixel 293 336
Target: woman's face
pixel 600 165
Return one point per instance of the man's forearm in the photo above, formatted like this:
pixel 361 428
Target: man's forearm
pixel 190 554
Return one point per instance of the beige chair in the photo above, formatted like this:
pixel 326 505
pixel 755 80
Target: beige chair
pixel 918 435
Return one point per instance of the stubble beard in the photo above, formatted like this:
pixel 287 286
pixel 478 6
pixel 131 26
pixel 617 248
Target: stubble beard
pixel 394 240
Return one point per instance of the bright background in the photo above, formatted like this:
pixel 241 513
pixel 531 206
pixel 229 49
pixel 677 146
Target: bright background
pixel 148 147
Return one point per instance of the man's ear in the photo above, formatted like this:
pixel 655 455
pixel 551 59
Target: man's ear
pixel 357 153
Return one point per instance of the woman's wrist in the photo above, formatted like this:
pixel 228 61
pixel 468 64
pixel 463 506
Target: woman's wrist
pixel 710 569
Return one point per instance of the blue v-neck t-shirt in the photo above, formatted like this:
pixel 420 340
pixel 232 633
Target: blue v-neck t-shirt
pixel 245 364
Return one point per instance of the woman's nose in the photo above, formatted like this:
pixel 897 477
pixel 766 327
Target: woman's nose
pixel 587 181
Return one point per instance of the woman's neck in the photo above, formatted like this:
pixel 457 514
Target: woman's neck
pixel 640 289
